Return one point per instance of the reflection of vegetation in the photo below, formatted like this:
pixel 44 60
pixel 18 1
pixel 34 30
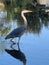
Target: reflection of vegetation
pixel 5 31
pixel 35 19
pixel 45 21
pixel 13 6
pixel 34 25
pixel 35 22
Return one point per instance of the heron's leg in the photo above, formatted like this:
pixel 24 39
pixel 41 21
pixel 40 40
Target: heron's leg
pixel 18 43
pixel 11 40
pixel 13 43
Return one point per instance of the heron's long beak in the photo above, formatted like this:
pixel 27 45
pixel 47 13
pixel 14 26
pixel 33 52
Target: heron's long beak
pixel 27 11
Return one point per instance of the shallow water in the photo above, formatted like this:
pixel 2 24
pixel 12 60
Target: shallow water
pixel 34 47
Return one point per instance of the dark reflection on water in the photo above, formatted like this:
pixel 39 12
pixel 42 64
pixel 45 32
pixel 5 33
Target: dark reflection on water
pixel 17 54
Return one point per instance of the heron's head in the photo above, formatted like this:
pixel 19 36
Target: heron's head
pixel 26 11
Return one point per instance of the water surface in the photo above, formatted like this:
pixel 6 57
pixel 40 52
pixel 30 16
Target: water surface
pixel 34 44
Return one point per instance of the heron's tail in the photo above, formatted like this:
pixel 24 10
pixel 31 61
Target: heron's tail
pixel 7 37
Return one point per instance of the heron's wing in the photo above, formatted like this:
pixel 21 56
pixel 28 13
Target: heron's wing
pixel 16 32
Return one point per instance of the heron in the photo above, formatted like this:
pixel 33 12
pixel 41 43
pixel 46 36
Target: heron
pixel 18 32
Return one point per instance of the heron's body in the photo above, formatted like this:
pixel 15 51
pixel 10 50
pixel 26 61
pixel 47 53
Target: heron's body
pixel 16 32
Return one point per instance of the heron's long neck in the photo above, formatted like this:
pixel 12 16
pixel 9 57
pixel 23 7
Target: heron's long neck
pixel 24 18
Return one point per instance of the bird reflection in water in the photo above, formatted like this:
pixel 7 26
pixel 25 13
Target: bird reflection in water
pixel 17 54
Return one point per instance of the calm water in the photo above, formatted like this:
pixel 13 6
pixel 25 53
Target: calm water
pixel 34 44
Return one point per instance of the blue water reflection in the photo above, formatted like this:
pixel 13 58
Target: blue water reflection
pixel 35 47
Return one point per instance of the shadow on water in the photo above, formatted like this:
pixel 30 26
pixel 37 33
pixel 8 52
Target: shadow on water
pixel 18 54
